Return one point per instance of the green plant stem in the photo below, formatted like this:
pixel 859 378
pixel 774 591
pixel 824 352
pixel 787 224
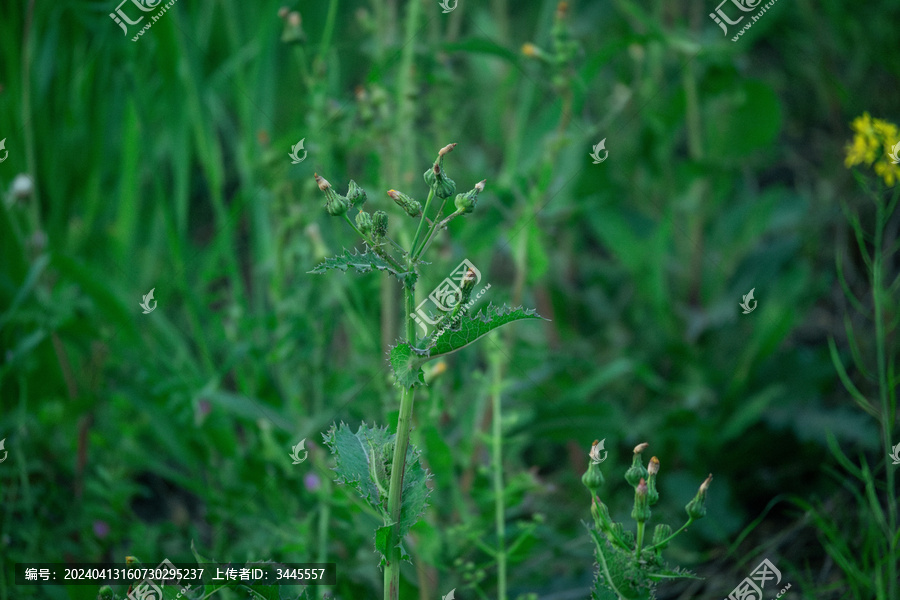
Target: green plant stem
pixel 886 412
pixel 683 527
pixel 398 465
pixel 328 31
pixel 434 229
pixel 415 243
pixel 640 538
pixel 497 465
pixel 403 138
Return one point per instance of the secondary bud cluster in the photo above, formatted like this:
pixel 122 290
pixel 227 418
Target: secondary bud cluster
pixel 645 495
pixel 337 205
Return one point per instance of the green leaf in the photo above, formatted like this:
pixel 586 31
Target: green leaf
pixel 468 329
pixel 383 542
pixel 407 366
pixel 747 117
pixel 415 491
pixel 363 263
pixel 360 459
pixel 363 460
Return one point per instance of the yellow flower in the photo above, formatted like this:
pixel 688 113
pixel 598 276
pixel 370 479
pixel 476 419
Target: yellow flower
pixel 872 144
pixel 890 173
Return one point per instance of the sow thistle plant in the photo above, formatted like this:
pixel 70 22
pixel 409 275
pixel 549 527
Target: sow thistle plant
pixel 627 568
pixel 384 468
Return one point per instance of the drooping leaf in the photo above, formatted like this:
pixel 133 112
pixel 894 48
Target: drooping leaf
pixel 362 262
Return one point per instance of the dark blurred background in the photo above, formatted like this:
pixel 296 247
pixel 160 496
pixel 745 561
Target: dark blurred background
pixel 163 164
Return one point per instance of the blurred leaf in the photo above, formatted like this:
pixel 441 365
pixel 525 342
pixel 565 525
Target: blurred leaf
pixel 740 120
pixel 34 273
pixel 482 46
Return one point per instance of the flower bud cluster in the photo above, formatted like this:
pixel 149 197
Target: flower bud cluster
pixel 645 495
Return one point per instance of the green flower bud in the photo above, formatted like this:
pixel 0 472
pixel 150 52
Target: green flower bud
pixel 356 195
pixel 465 203
pixel 443 186
pixel 618 530
pixel 641 511
pixel 437 179
pixel 364 222
pixel 338 207
pixel 293 30
pixel 695 508
pixel 335 204
pixel 106 593
pixel 660 533
pixel 412 207
pixel 468 284
pixel 380 224
pixel 593 478
pixel 637 471
pixel 652 469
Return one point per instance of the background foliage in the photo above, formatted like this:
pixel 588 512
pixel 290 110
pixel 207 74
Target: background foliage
pixel 163 164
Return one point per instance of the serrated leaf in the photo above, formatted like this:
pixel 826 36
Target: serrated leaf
pixel 470 328
pixel 357 458
pixel 266 591
pixel 364 262
pixel 205 588
pixel 407 366
pixel 415 491
pixel 355 454
pixel 383 542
